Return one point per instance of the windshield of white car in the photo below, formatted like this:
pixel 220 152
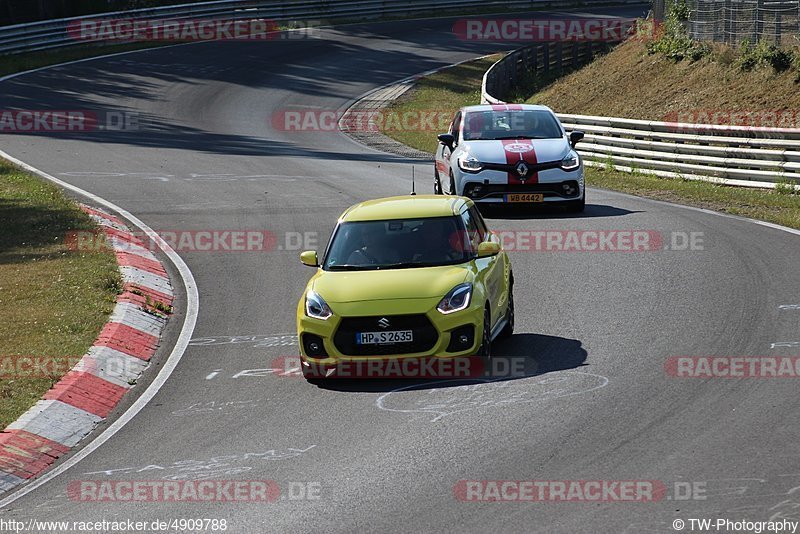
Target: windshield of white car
pixel 507 125
pixel 398 244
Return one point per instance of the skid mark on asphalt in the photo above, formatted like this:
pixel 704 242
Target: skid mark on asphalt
pixel 226 465
pixel 255 341
pixel 214 408
pixel 441 402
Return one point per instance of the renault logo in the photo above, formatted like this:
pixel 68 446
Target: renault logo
pixel 522 168
pixel 384 323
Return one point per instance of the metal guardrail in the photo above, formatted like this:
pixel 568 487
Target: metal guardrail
pixel 541 59
pixel 53 34
pixel 733 155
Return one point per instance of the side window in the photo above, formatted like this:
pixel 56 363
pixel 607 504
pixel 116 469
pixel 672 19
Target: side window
pixel 473 232
pixel 480 223
pixel 456 129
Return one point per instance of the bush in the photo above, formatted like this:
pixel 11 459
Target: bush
pixel 675 43
pixel 763 54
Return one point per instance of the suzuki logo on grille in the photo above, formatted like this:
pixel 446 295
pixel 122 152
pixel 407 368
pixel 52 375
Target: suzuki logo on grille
pixel 384 323
pixel 522 169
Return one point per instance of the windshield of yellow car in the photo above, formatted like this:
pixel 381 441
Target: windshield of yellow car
pixel 398 244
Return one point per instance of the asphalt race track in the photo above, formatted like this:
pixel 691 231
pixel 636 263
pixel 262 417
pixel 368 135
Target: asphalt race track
pixel 595 328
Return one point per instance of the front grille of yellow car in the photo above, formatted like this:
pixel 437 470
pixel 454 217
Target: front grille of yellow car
pixel 425 335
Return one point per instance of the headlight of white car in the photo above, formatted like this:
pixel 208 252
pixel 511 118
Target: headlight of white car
pixel 456 300
pixel 316 306
pixel 469 163
pixel 571 162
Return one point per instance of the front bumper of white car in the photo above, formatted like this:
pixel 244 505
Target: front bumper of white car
pixel 494 186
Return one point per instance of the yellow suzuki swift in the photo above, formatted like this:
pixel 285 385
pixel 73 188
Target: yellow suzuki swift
pixel 405 277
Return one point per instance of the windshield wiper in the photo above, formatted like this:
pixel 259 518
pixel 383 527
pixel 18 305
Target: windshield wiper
pixel 413 264
pixel 400 265
pixel 353 267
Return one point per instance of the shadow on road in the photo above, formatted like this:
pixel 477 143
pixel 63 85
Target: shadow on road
pixel 506 212
pixel 518 357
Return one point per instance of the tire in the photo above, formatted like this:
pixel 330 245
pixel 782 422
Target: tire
pixel 508 329
pixel 313 375
pixel 577 206
pixel 485 350
pixel 437 183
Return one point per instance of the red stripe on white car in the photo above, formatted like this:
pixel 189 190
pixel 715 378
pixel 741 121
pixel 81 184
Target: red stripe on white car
pixel 517 151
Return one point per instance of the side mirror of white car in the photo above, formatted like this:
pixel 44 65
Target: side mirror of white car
pixel 447 140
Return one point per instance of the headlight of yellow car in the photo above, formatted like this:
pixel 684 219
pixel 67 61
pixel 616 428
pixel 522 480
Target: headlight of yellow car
pixel 456 300
pixel 316 306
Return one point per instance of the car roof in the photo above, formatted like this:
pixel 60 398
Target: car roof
pixel 406 207
pixel 506 107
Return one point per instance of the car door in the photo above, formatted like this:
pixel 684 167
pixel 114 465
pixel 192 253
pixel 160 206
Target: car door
pixel 439 158
pixel 443 160
pixel 491 270
pixel 501 269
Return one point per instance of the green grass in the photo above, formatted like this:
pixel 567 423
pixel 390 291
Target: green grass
pixel 443 93
pixel 53 301
pixel 779 206
pixel 459 86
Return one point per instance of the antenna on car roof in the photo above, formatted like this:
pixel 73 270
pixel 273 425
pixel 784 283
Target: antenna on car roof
pixel 413 181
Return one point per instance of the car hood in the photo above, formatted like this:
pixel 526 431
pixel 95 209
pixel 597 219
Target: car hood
pixel 390 284
pixel 546 150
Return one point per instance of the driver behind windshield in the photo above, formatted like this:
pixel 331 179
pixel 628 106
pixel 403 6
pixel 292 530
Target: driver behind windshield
pixel 432 242
pixel 372 248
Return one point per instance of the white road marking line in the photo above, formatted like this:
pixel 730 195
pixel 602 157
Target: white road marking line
pixel 785 344
pixel 213 374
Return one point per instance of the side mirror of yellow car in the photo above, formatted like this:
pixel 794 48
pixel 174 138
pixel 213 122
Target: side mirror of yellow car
pixel 488 248
pixel 309 257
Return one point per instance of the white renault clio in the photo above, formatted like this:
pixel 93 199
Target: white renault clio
pixel 510 153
